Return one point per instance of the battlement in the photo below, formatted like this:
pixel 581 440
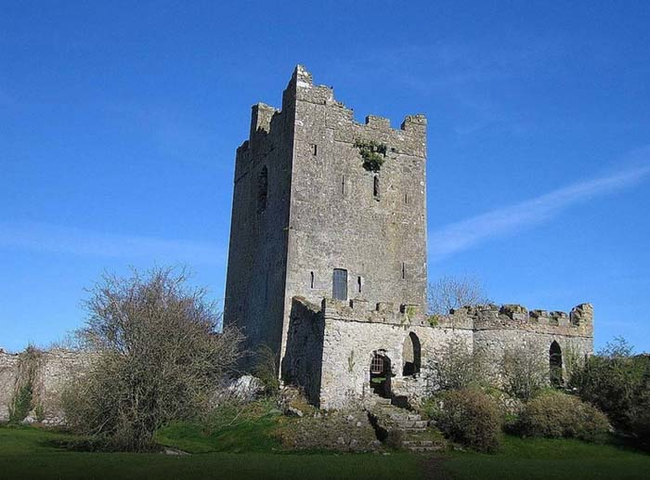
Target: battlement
pixel 578 322
pixel 358 310
pixel 301 88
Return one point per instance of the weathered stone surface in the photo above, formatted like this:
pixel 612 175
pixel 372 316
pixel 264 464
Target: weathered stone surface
pixel 54 368
pixel 324 211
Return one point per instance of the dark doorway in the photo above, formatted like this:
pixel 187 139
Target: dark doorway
pixel 555 362
pixel 411 355
pixel 380 374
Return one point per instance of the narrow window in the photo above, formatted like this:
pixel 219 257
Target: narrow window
pixel 555 361
pixel 342 184
pixel 340 284
pixel 403 270
pixel 407 200
pixel 359 284
pixel 314 149
pixel 262 189
pixel 311 280
pixel 375 187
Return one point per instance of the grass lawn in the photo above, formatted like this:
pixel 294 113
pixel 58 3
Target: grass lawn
pixel 551 459
pixel 27 452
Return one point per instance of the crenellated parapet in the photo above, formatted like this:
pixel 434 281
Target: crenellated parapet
pixel 578 322
pixel 358 310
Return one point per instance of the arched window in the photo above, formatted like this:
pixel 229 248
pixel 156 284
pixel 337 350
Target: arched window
pixel 375 187
pixel 412 355
pixel 555 363
pixel 262 189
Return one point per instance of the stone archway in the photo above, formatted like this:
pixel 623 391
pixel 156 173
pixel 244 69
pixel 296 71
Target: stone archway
pixel 380 374
pixel 411 355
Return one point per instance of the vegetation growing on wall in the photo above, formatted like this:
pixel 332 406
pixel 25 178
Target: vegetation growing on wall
pixel 24 399
pixel 373 154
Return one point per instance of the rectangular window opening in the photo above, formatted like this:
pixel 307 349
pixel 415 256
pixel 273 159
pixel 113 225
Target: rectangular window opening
pixel 403 270
pixel 311 280
pixel 314 149
pixel 359 284
pixel 340 284
pixel 342 184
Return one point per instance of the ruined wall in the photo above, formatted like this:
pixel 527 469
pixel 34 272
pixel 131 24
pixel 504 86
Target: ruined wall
pixel 352 332
pixel 302 362
pixel 53 369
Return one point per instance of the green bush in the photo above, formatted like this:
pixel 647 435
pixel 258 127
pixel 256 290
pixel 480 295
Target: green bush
pixel 469 417
pixel 558 415
pixel 619 384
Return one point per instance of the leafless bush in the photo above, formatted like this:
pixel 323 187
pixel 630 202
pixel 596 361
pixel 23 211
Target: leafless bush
pixel 156 357
pixel 455 364
pixel 449 292
pixel 524 372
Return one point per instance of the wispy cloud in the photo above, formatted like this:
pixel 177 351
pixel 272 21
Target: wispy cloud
pixel 468 233
pixel 42 237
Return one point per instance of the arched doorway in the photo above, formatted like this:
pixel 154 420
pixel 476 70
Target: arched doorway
pixel 380 374
pixel 555 363
pixel 411 355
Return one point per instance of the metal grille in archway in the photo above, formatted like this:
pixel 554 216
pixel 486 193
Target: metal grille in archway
pixel 377 365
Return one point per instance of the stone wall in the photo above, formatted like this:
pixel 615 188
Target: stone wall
pixel 353 332
pixel 53 369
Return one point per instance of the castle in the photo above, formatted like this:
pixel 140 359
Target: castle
pixel 327 260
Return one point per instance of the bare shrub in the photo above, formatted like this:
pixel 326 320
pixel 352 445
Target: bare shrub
pixel 524 372
pixel 450 292
pixel 156 357
pixel 455 364
pixel 266 368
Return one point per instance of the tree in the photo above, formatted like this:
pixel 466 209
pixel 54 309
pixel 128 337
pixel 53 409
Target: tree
pixel 449 292
pixel 155 356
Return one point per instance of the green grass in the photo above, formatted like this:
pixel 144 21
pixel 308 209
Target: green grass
pixel 29 453
pixel 254 435
pixel 546 458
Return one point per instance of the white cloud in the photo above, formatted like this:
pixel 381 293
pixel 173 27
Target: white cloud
pixel 58 239
pixel 465 234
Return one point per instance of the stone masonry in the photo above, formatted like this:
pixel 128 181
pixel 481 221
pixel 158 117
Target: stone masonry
pixel 327 261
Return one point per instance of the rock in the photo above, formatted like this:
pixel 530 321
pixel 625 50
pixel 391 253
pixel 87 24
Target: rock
pixel 246 388
pixel 293 411
pixel 173 451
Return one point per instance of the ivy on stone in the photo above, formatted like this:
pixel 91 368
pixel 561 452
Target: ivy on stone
pixel 373 154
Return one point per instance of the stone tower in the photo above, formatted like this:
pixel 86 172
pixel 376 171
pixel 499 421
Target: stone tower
pixel 310 221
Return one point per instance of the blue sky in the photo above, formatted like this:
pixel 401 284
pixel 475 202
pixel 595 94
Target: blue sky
pixel 119 122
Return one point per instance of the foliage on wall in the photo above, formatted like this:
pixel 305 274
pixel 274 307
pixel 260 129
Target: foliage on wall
pixel 373 154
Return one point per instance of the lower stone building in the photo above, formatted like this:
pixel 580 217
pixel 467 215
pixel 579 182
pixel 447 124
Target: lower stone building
pixel 342 353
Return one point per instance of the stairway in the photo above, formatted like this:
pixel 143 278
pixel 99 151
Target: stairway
pixel 413 435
